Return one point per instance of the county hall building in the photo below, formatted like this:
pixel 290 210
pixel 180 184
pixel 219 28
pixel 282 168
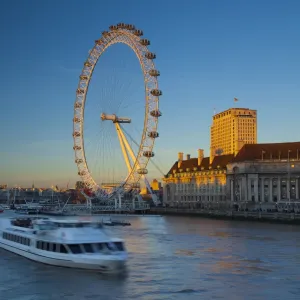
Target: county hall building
pixel 238 171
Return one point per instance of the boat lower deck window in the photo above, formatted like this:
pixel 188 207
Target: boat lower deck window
pixel 99 246
pixel 16 238
pixel 88 248
pixel 111 246
pixel 63 249
pixel 75 249
pixel 51 247
pixel 105 247
pixel 120 246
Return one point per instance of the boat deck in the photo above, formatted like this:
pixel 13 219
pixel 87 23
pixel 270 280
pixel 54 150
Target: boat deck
pixel 25 222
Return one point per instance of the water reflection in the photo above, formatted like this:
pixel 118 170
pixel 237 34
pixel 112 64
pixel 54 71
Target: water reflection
pixel 175 258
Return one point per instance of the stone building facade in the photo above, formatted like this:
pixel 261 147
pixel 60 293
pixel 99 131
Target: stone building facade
pixel 260 176
pixel 265 176
pixel 195 182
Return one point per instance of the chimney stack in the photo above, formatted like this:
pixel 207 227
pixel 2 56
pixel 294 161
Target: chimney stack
pixel 188 156
pixel 180 158
pixel 200 156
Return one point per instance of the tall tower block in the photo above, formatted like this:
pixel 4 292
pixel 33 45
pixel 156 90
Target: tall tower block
pixel 231 129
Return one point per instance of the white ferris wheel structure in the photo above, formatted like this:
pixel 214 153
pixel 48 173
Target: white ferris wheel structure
pixel 136 161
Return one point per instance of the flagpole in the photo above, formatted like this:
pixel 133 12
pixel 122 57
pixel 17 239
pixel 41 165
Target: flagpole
pixel 235 100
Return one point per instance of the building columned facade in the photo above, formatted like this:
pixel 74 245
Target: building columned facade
pixel 195 182
pixel 260 176
pixel 231 129
pixel 265 175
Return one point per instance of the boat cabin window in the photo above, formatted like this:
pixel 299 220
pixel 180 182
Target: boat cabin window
pixel 63 249
pixel 45 226
pixel 120 246
pixel 99 247
pixel 75 225
pixel 52 247
pixel 75 249
pixel 16 238
pixel 88 248
pixel 111 246
pixel 92 248
pixel 104 248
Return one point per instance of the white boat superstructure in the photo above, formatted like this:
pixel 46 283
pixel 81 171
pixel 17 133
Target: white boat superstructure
pixel 66 243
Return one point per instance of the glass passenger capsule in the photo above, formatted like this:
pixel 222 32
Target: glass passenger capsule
pixel 156 92
pixel 148 153
pixel 153 134
pixel 150 55
pixel 144 42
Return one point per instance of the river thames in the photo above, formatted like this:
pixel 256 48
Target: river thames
pixel 174 258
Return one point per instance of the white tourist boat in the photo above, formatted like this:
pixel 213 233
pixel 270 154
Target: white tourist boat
pixel 66 243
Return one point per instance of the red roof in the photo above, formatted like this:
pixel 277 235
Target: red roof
pixel 250 152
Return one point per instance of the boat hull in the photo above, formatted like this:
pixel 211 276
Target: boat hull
pixel 108 265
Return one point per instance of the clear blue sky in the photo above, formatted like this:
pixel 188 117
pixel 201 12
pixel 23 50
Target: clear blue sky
pixel 208 52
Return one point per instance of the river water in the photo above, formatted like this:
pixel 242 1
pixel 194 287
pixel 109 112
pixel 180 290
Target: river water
pixel 174 258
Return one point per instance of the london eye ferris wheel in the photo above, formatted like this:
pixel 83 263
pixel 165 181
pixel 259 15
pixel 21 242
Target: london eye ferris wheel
pixel 127 158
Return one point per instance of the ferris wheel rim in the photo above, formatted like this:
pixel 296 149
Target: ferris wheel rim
pixel 145 57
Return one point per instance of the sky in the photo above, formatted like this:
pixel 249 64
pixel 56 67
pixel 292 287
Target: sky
pixel 208 52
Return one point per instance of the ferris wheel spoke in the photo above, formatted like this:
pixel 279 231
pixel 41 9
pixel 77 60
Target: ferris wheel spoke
pixel 102 153
pixel 114 92
pixel 108 160
pixel 110 156
pixel 131 104
pixel 88 141
pixel 123 99
pixel 98 167
pixel 112 150
pixel 93 150
pixel 101 139
pixel 120 92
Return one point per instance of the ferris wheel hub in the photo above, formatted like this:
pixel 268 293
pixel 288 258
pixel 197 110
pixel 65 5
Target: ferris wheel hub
pixel 114 118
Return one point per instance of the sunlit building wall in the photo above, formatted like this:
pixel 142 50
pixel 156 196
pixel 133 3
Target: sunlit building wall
pixel 195 182
pixel 155 185
pixel 231 130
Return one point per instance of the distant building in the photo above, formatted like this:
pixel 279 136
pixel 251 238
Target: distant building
pixel 3 186
pixel 155 185
pixel 144 191
pixel 231 129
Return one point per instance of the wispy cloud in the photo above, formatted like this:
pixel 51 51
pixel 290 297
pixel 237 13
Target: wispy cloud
pixel 69 69
pixel 61 66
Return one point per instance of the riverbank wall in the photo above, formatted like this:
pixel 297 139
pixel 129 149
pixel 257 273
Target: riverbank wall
pixel 271 217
